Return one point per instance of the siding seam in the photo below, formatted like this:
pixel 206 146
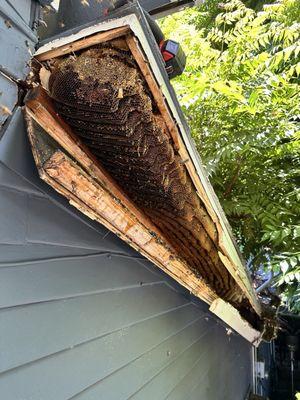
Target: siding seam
pixel 97 338
pixel 15 264
pixel 20 26
pixel 143 354
pixel 175 359
pixel 80 295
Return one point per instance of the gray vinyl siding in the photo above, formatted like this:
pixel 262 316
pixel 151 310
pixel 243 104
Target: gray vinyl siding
pixel 17 41
pixel 16 36
pixel 8 96
pixel 82 315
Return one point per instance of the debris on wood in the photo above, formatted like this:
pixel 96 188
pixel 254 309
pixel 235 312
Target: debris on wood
pixel 76 174
pixel 108 113
pixel 104 98
pixel 44 76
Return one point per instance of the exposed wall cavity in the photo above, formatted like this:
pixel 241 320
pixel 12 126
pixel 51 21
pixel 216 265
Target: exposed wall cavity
pixel 101 94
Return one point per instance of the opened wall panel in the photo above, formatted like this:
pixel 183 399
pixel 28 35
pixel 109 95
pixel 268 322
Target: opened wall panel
pixel 78 324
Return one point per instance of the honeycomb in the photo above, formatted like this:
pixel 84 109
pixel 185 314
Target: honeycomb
pixel 102 95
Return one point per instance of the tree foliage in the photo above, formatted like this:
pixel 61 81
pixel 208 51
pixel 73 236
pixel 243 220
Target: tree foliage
pixel 240 93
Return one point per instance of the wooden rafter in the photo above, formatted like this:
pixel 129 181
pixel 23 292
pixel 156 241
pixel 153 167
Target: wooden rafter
pixel 182 151
pixel 83 43
pixel 74 147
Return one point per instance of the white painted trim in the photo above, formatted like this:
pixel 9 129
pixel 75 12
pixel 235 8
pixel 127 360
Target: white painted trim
pixel 253 360
pixel 232 317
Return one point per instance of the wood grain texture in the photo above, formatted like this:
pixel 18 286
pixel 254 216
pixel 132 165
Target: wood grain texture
pixel 84 43
pixel 199 242
pixel 234 263
pixel 240 277
pixel 102 96
pixel 58 299
pixel 94 199
pixel 108 211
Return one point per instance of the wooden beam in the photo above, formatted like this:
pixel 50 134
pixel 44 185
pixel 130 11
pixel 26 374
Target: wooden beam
pixel 133 44
pixel 154 87
pixel 91 198
pixel 84 43
pixel 172 128
pixel 232 317
pixel 240 277
pixel 67 165
pixel 179 145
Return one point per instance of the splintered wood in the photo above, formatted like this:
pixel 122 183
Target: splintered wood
pixel 89 188
pixel 117 155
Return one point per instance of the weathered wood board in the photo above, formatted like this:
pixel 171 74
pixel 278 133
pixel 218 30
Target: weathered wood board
pixel 65 164
pixel 76 173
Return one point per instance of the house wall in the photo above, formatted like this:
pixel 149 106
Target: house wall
pixel 80 10
pixel 82 315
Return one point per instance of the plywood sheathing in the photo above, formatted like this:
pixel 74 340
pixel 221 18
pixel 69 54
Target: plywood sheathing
pixel 83 43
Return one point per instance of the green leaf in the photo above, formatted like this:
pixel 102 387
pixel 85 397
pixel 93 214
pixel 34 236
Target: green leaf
pixel 240 94
pixel 284 265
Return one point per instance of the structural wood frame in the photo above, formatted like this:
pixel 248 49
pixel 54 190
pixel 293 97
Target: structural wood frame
pixel 73 171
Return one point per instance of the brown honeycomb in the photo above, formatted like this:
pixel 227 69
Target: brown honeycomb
pixel 102 95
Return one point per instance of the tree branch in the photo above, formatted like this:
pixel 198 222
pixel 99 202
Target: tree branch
pixel 234 179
